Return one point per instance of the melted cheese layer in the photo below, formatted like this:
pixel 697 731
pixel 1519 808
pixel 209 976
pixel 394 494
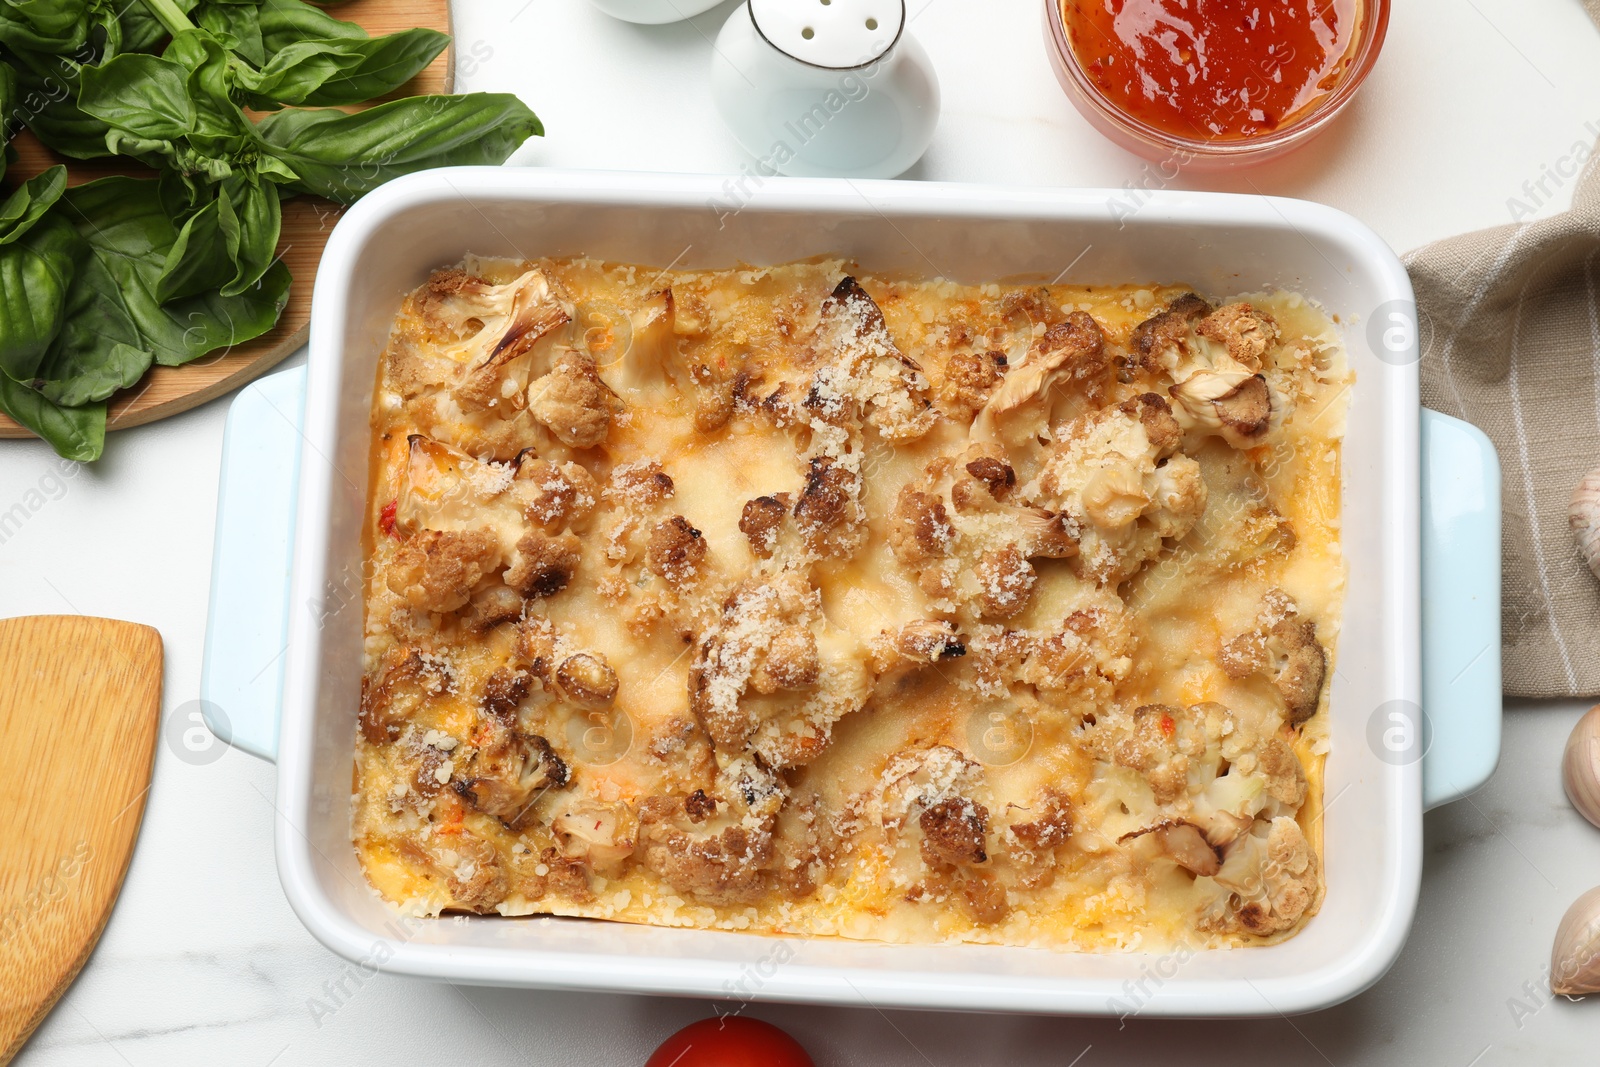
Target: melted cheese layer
pixel 800 600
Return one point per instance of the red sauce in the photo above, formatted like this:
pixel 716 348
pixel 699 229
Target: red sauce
pixel 1213 69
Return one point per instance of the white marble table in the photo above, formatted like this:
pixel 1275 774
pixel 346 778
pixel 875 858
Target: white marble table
pixel 203 962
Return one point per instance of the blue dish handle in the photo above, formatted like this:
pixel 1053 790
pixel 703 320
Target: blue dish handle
pixel 241 681
pixel 247 628
pixel 1460 608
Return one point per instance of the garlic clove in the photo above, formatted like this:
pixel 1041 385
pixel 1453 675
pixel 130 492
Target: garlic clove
pixel 1583 515
pixel 1580 766
pixel 1575 959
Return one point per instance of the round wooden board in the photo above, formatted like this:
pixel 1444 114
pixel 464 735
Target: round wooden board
pixel 307 221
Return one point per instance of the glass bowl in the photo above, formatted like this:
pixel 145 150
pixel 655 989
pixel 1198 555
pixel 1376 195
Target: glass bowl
pixel 1201 153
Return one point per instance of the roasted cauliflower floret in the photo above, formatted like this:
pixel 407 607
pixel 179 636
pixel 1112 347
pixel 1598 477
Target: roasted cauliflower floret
pixel 543 565
pixel 982 490
pixel 1219 385
pixel 1048 826
pixel 1005 582
pixel 508 772
pixel 770 677
pixel 641 485
pixel 716 847
pixel 927 799
pixel 898 652
pixel 471 320
pixel 1078 662
pixel 552 496
pixel 436 570
pixel 1249 335
pixel 586 679
pixel 862 363
pixel 919 528
pixel 676 551
pixel 1117 477
pixel 761 522
pixel 403 684
pixel 1034 838
pixel 524 509
pixel 1257 773
pixel 1161 340
pixel 731 866
pixel 466 864
pixel 1284 647
pixel 828 513
pixel 969 377
pixel 503 692
pixel 1183 843
pixel 1268 881
pixel 954 833
pixel 790 663
pixel 1235 406
pixel 573 402
pixel 484 328
pixel 1215 358
pixel 1071 353
pixel 918 779
pixel 602 835
pixel 1152 748
pixel 994 473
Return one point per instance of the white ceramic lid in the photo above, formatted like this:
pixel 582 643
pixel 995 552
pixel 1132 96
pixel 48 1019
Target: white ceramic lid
pixel 839 34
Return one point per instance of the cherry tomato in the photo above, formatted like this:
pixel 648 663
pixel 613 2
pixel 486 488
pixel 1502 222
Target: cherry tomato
pixel 730 1041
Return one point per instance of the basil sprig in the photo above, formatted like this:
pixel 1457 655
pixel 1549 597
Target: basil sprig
pixel 99 282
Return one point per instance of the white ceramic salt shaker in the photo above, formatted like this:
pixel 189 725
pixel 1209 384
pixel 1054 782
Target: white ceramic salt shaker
pixel 826 88
pixel 654 12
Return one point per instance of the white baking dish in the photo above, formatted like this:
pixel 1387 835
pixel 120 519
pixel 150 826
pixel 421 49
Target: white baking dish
pixel 388 242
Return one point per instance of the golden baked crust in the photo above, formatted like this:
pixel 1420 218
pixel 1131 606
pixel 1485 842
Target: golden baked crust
pixel 802 600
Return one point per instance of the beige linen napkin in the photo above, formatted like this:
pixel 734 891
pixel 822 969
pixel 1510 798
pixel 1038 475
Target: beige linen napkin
pixel 1509 320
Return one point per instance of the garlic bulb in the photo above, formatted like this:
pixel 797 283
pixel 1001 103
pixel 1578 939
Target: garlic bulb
pixel 1583 515
pixel 1575 960
pixel 1580 766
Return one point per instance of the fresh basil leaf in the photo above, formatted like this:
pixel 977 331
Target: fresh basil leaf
pixel 287 22
pixel 100 349
pixel 36 272
pixel 253 240
pixel 220 127
pixel 198 257
pixel 144 96
pixel 62 128
pixel 86 368
pixel 343 156
pixel 233 236
pixel 128 230
pixel 181 193
pixel 53 26
pixel 173 110
pixel 46 103
pixel 138 29
pixel 47 91
pixel 326 73
pixel 51 18
pixel 209 323
pixel 75 433
pixel 238 24
pixel 30 201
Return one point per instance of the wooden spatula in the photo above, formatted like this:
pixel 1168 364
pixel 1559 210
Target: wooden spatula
pixel 80 705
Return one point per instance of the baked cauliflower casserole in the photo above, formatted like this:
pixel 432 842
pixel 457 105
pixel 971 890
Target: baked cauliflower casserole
pixel 802 600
